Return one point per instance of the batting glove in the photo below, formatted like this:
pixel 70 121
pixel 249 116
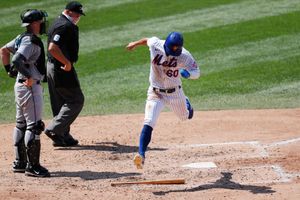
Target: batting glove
pixel 184 73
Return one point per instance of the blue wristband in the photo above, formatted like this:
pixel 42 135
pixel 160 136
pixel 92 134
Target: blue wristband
pixel 184 73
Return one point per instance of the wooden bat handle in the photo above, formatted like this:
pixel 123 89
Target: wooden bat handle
pixel 165 182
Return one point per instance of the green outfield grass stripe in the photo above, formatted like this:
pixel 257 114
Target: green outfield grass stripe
pixel 270 49
pixel 248 101
pixel 93 5
pixel 253 30
pixel 282 88
pixel 131 77
pixel 187 22
pixel 144 10
pixel 8 10
pixel 251 78
pixel 9 16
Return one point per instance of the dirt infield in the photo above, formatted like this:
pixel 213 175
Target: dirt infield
pixel 242 154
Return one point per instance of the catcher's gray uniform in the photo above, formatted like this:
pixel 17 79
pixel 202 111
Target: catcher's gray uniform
pixel 29 101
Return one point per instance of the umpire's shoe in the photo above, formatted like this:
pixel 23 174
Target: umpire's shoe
pixel 36 171
pixel 19 167
pixel 58 141
pixel 69 140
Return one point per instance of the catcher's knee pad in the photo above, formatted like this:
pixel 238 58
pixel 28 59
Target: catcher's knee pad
pixel 33 132
pixel 37 128
pixel 19 132
pixel 21 125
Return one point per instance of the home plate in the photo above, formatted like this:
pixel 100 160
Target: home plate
pixel 201 165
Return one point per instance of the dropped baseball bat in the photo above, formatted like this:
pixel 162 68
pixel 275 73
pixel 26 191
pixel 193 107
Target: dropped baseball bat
pixel 150 182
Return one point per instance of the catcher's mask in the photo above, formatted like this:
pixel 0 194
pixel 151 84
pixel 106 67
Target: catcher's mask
pixel 173 44
pixel 31 15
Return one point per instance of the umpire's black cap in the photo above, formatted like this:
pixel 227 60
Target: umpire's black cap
pixel 75 6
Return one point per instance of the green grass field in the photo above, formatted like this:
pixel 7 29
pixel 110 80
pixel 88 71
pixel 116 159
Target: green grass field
pixel 248 52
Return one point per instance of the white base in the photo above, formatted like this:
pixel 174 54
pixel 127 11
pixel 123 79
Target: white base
pixel 201 165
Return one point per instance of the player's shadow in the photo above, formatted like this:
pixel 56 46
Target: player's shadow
pixel 113 147
pixel 224 183
pixel 90 175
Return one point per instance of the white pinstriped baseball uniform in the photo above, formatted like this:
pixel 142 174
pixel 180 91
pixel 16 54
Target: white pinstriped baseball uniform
pixel 164 74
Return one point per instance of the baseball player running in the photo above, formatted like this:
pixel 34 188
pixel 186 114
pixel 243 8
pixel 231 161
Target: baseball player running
pixel 169 62
pixel 29 68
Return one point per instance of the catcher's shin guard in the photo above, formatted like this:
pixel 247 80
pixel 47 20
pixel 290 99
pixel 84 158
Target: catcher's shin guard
pixel 33 145
pixel 20 150
pixel 33 167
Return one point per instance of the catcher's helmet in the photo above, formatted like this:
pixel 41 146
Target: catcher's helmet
pixel 173 44
pixel 31 15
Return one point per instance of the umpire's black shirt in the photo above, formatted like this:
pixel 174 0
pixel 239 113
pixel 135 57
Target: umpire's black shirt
pixel 64 34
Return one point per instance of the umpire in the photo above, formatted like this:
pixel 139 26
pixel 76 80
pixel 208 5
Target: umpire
pixel 66 96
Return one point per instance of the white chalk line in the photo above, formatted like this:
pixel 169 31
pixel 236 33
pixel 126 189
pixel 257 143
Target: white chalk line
pixel 221 144
pixel 260 147
pixel 262 151
pixel 281 143
pixel 281 173
pixel 254 143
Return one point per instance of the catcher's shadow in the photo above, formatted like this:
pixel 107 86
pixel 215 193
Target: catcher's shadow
pixel 224 183
pixel 113 147
pixel 90 175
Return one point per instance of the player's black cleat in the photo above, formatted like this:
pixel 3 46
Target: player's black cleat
pixel 36 171
pixel 19 167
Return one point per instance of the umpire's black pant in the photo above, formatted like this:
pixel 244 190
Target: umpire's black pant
pixel 66 103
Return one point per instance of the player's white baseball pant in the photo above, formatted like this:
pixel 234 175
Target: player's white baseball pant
pixel 156 101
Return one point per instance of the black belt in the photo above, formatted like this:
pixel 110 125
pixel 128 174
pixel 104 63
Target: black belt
pixel 54 62
pixel 51 60
pixel 23 80
pixel 168 91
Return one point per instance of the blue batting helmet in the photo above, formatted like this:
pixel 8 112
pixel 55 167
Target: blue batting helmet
pixel 173 44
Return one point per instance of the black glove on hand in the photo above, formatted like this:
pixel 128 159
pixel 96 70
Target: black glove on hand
pixel 11 71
